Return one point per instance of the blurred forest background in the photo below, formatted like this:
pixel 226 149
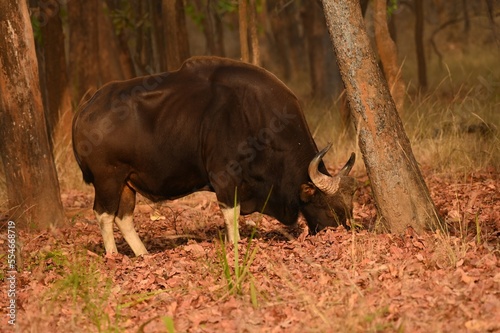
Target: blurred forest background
pixel 82 45
pixel 445 61
pixel 441 59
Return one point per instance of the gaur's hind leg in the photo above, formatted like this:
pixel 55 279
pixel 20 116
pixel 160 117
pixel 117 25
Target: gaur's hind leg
pixel 125 221
pixel 105 221
pixel 107 198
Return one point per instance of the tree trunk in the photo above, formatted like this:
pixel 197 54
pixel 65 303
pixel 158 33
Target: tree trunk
pixel 286 37
pixel 277 39
pixel 124 57
pixel 388 54
pixel 83 47
pixel 345 112
pixel 243 21
pixel 254 38
pixel 58 104
pixel 219 34
pixel 141 39
pixel 32 186
pixel 314 32
pixel 58 108
pixel 419 44
pixel 212 26
pixel 175 33
pixel 208 28
pixel 157 35
pixel 110 67
pixel 323 70
pixel 401 195
pixel 364 6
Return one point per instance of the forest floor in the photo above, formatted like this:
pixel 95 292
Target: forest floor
pixel 285 280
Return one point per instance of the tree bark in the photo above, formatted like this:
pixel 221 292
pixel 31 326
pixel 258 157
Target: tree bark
pixel 83 47
pixel 243 28
pixel 32 185
pixel 220 49
pixel 401 195
pixel 124 57
pixel 277 39
pixel 175 32
pixel 345 112
pixel 286 37
pixel 157 35
pixel 254 38
pixel 388 54
pixel 212 26
pixel 419 44
pixel 110 67
pixel 314 33
pixel 58 109
pixel 323 71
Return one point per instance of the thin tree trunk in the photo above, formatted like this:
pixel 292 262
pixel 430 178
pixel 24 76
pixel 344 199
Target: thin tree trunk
pixel 254 38
pixel 55 66
pixel 296 48
pixel 58 108
pixel 388 54
pixel 175 33
pixel 316 54
pixel 83 49
pixel 401 195
pixel 140 38
pixel 148 50
pixel 32 186
pixel 203 6
pixel 124 57
pixel 419 44
pixel 219 34
pixel 278 39
pixel 157 35
pixel 109 65
pixel 243 21
pixel 315 31
pixel 212 26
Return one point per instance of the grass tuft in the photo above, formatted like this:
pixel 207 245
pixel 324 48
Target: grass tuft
pixel 84 291
pixel 238 275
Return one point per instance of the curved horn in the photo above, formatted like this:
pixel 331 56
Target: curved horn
pixel 326 184
pixel 348 166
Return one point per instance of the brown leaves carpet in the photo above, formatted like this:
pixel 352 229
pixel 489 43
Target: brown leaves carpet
pixel 336 281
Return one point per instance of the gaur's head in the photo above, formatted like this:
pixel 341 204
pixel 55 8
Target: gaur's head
pixel 327 200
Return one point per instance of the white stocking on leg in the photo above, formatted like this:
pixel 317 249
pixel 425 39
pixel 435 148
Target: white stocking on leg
pixel 127 228
pixel 231 217
pixel 105 221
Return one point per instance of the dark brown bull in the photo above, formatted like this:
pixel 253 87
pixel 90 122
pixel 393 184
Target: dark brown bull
pixel 215 124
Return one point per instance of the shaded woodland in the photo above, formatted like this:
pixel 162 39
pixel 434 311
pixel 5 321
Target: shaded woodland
pixel 81 46
pixel 438 59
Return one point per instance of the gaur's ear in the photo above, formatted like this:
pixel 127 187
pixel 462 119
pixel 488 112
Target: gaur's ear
pixel 306 192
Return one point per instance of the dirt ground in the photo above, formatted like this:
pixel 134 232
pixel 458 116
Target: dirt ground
pixel 285 280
